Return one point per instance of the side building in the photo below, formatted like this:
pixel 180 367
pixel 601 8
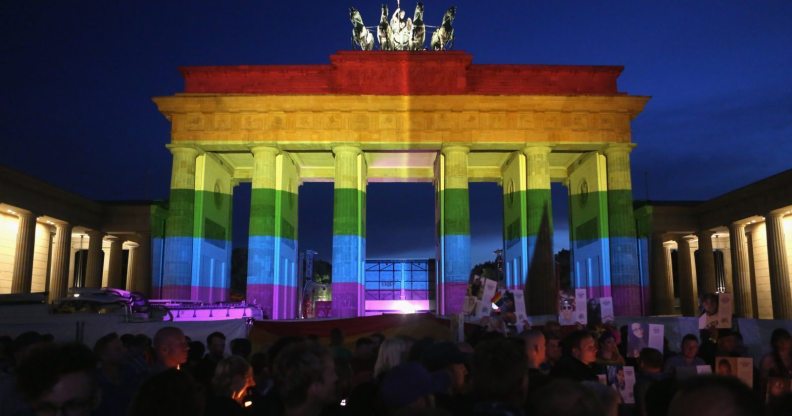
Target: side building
pixel 740 243
pixel 52 240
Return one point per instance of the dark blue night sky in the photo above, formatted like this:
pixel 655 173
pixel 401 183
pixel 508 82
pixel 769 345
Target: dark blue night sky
pixel 77 78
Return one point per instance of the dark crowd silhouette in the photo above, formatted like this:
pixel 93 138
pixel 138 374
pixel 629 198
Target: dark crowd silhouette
pixel 548 371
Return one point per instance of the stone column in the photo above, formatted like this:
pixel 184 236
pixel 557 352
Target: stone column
pixel 541 287
pixel 93 270
pixel 688 291
pixel 132 267
pixel 141 280
pixel 662 285
pixel 454 229
pixel 114 272
pixel 349 232
pixel 61 257
pixel 272 243
pixel 179 226
pixel 22 276
pixel 741 272
pixel 780 291
pixel 627 292
pixel 707 258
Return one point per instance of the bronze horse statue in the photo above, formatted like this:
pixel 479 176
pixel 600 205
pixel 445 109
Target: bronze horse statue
pixel 419 29
pixel 443 36
pixel 384 31
pixel 360 34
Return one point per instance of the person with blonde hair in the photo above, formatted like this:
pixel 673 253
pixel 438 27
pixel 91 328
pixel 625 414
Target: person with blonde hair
pixel 392 352
pixel 233 377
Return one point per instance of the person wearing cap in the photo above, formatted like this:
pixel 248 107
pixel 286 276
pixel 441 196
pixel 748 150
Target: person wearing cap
pixel 409 388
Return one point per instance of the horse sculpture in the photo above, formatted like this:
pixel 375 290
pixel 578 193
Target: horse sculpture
pixel 384 31
pixel 443 36
pixel 419 29
pixel 360 35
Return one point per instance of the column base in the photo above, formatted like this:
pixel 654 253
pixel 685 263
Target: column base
pixel 178 292
pixel 455 293
pixel 345 300
pixel 627 299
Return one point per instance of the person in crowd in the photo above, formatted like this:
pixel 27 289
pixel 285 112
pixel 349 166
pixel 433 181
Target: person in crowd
pixel 116 381
pixel 500 377
pixel 650 371
pixel 607 395
pixel 580 352
pixel 194 357
pixel 11 402
pixel 59 379
pixel 267 401
pixel 714 396
pixel 378 339
pixel 168 393
pixel 305 379
pixel 241 347
pixel 363 360
pixel 337 347
pixel 232 378
pixel 409 389
pixel 778 363
pixel 684 364
pixel 446 357
pixel 139 354
pixel 170 349
pixel 536 354
pixel 724 367
pixel 565 397
pixel 553 351
pixel 215 352
pixel 392 353
pixel 608 351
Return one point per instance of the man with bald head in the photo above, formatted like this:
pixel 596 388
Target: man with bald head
pixel 536 353
pixel 170 349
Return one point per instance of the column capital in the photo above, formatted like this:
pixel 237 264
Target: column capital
pixel 669 244
pixel 454 149
pixel 264 149
pixel 615 148
pixel 20 212
pixel 704 233
pixel 183 149
pixel 687 238
pixel 95 234
pixel 778 213
pixel 356 150
pixel 537 150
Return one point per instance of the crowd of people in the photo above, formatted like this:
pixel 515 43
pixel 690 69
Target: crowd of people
pixel 552 371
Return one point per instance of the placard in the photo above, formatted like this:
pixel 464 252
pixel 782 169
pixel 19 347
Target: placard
pixel 484 307
pixel 643 335
pixel 722 316
pixel 622 379
pixel 581 309
pixel 606 310
pixel 740 367
pixel 519 310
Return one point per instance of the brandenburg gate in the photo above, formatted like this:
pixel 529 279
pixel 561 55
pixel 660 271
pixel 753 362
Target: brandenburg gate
pixel 390 116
